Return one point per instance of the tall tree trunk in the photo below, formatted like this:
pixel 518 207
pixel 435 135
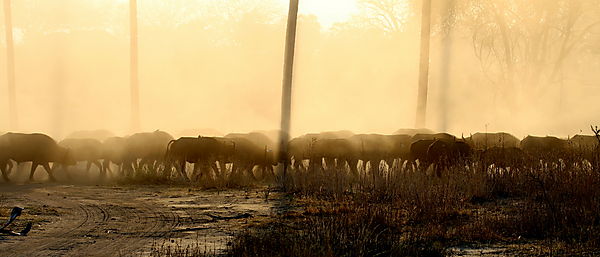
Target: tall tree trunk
pixel 424 64
pixel 288 70
pixel 10 66
pixel 133 62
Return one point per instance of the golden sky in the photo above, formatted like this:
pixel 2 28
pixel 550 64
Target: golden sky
pixel 328 11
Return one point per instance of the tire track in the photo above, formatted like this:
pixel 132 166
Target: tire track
pixel 82 228
pixel 105 221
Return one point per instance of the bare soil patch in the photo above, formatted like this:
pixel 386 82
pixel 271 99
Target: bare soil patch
pixel 116 220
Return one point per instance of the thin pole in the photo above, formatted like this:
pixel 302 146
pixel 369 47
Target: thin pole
pixel 10 66
pixel 424 64
pixel 133 62
pixel 288 70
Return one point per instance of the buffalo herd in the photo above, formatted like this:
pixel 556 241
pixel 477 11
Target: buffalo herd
pixel 248 154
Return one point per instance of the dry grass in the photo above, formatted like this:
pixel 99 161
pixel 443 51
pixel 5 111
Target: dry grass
pixel 552 206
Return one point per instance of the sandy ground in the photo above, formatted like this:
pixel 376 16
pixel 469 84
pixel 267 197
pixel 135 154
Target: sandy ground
pixel 116 220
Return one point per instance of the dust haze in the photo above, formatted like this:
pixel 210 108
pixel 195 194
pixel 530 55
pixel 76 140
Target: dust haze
pixel 518 66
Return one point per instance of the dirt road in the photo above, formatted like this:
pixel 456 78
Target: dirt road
pixel 72 220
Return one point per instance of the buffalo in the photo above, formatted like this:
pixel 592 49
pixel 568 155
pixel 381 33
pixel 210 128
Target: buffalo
pixel 149 148
pixel 444 154
pixel 334 152
pixel 113 151
pixel 250 150
pixel 37 148
pixel 195 150
pixel 85 150
pixel 440 152
pixel 374 148
pixel 418 151
pixel 301 148
pixel 544 148
pixel 585 146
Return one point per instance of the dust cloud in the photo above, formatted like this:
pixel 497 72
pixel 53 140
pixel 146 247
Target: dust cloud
pixel 205 65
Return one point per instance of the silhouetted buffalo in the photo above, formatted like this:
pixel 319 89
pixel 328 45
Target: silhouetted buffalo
pixel 441 152
pixel 418 151
pixel 585 146
pixel 195 150
pixel 482 141
pixel 374 148
pixel 113 151
pixel 147 147
pixel 250 150
pixel 444 154
pixel 544 148
pixel 301 148
pixel 335 153
pixel 39 149
pixel 258 138
pixel 85 150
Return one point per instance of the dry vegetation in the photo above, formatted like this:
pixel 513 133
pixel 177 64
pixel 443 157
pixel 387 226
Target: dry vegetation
pixel 531 209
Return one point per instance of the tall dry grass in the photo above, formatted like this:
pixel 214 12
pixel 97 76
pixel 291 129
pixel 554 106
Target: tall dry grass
pixel 403 211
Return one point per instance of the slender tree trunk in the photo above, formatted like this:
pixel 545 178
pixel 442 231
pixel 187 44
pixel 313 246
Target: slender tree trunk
pixel 133 62
pixel 10 66
pixel 288 70
pixel 424 64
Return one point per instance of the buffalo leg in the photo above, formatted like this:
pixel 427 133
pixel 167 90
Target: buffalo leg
pixel 34 166
pixel 105 167
pixel 183 171
pixel 295 164
pixel 270 169
pixel 316 164
pixel 438 170
pixel 329 163
pixel 250 172
pixel 213 166
pixel 196 172
pixel 222 169
pixel 98 165
pixel 234 169
pixel 4 168
pixel 49 171
pixel 88 167
pixel 9 166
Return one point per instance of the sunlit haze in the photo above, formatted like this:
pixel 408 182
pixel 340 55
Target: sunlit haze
pixel 328 11
pixel 216 64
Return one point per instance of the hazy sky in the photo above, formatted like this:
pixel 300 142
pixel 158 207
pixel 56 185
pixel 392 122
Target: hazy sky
pixel 328 11
pixel 218 64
